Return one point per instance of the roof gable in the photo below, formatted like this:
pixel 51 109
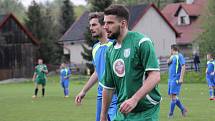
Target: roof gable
pixel 5 18
pixel 77 30
pixel 191 9
pixel 136 12
pixel 137 19
pixel 188 33
pixel 79 27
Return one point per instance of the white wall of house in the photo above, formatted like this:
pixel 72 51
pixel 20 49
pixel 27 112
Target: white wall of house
pixel 189 1
pixel 154 26
pixel 182 14
pixel 75 52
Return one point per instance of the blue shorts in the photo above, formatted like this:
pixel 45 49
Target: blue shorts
pixel 65 83
pixel 173 87
pixel 211 81
pixel 112 109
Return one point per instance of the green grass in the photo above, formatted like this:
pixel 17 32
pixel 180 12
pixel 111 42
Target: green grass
pixel 190 77
pixel 16 103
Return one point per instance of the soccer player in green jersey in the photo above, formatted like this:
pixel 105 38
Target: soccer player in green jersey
pixel 39 77
pixel 132 71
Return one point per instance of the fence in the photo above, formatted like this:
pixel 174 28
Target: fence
pixel 164 64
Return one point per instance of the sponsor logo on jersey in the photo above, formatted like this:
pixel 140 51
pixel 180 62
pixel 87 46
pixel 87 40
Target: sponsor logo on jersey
pixel 119 67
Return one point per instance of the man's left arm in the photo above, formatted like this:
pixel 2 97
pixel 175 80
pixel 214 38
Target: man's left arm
pixel 183 68
pixel 152 80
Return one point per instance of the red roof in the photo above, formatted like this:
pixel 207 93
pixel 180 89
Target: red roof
pixel 28 33
pixel 191 31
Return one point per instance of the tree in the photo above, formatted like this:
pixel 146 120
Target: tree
pixel 159 3
pixel 49 49
pixel 34 20
pixel 206 39
pixel 96 5
pixel 177 1
pixel 13 6
pixel 67 16
pixel 42 24
pixel 99 5
pixel 87 50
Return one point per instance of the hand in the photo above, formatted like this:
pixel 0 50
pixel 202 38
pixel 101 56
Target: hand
pixel 103 118
pixel 79 97
pixel 128 105
pixel 180 81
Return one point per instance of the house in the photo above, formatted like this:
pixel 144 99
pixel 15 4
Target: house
pixel 144 18
pixel 17 49
pixel 185 18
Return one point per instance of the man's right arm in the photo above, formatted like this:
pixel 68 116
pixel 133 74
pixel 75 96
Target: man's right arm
pixel 93 79
pixel 106 100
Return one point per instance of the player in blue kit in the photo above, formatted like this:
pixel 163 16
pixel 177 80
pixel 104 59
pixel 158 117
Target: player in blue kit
pixel 176 74
pixel 64 79
pixel 210 76
pixel 99 50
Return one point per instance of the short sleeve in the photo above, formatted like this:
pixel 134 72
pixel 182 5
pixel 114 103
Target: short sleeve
pixel 147 55
pixel 181 59
pixel 45 68
pixel 69 72
pixel 95 48
pixel 107 80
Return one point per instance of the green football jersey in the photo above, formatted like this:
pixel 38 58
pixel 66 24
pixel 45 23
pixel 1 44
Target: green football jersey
pixel 126 69
pixel 39 72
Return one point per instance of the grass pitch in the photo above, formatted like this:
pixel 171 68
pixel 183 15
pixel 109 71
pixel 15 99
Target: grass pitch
pixel 16 103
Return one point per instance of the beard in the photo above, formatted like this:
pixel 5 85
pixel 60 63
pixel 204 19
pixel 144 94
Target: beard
pixel 96 36
pixel 115 35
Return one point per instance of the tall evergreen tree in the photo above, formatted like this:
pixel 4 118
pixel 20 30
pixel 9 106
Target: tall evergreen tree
pixel 34 20
pixel 67 16
pixel 41 23
pixel 99 5
pixel 96 5
pixel 49 50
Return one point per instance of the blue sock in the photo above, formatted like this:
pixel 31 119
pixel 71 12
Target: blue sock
pixel 66 91
pixel 211 92
pixel 172 107
pixel 179 104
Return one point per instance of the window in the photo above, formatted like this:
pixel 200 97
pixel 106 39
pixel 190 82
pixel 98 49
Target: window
pixel 182 20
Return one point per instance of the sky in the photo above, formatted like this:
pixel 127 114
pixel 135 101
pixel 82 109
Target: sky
pixel 26 3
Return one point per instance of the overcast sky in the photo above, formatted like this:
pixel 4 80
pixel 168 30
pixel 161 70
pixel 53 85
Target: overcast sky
pixel 26 3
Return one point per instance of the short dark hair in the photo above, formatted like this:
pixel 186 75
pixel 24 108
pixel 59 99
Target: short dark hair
pixel 118 10
pixel 98 15
pixel 40 59
pixel 211 54
pixel 174 47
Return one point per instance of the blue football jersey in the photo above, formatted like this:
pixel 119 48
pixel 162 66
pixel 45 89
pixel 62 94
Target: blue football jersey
pixel 64 74
pixel 210 68
pixel 177 61
pixel 99 51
